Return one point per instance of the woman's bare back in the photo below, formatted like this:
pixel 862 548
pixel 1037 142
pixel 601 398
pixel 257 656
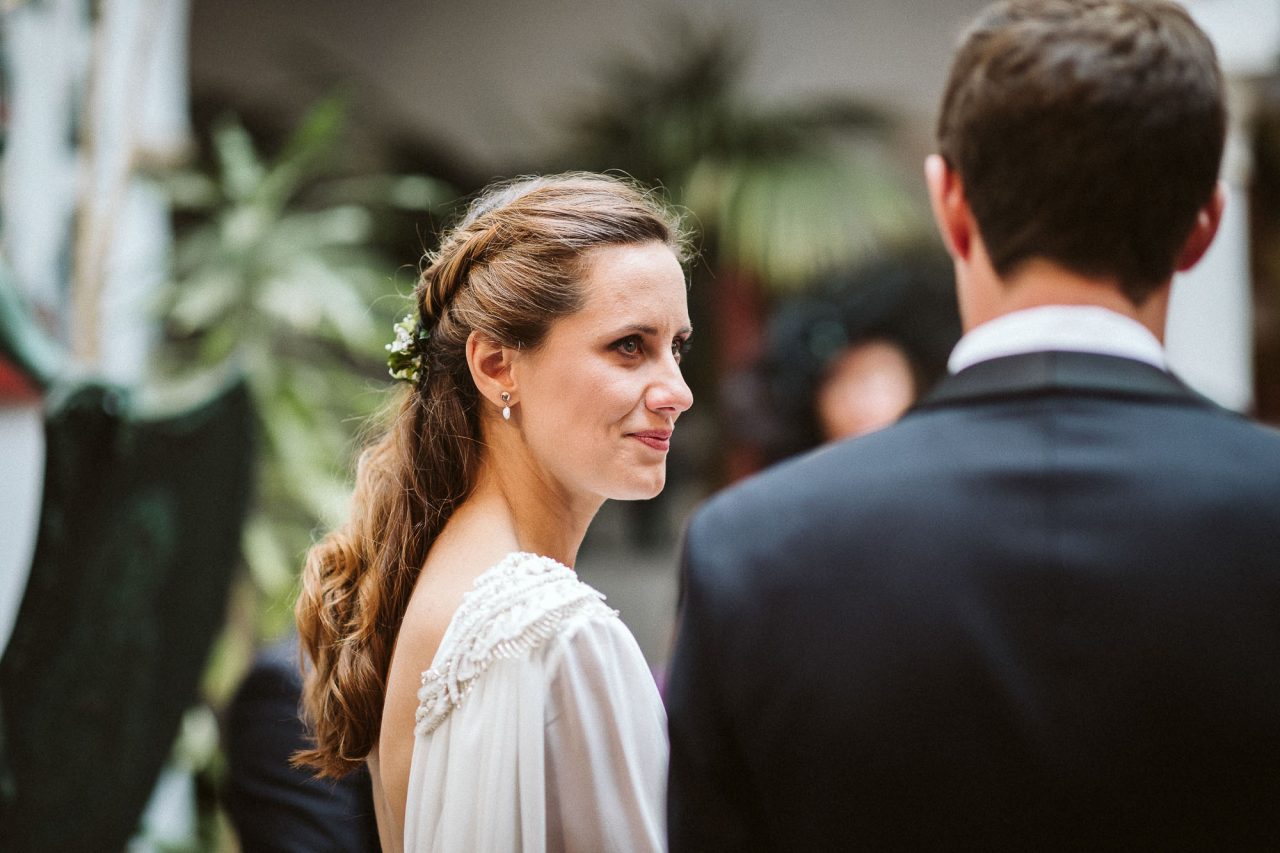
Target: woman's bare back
pixel 465 549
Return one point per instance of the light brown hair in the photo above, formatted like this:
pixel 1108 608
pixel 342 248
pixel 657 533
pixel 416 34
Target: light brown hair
pixel 508 270
pixel 1087 132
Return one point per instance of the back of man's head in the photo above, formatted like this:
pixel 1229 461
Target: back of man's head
pixel 1085 132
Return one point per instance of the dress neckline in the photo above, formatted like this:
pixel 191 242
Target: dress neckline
pixel 509 564
pixel 517 558
pixel 512 608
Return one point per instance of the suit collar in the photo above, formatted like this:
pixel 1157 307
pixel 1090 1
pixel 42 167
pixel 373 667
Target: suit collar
pixel 1060 372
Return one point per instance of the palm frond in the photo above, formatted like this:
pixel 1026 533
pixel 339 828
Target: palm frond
pixel 781 192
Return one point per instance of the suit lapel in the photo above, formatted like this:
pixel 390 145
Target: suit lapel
pixel 1061 372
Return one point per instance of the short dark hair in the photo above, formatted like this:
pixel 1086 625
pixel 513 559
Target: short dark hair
pixel 1086 132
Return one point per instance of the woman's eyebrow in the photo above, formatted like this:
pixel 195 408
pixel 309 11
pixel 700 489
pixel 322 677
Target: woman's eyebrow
pixel 651 330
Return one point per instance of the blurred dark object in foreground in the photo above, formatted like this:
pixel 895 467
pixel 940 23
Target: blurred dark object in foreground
pixel 273 805
pixel 1264 246
pixel 138 537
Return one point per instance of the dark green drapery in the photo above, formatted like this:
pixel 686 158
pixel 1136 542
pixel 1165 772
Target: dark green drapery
pixel 138 539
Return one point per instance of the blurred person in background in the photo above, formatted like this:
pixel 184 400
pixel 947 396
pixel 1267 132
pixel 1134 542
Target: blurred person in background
pixel 1038 612
pixel 498 703
pixel 869 386
pixel 848 358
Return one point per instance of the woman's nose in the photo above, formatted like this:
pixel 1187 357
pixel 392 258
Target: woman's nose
pixel 669 392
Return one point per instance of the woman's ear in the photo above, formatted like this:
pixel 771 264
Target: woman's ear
pixel 490 365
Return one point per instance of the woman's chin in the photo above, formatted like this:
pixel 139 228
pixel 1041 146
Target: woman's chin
pixel 640 488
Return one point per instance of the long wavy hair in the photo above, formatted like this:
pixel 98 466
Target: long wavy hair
pixel 507 270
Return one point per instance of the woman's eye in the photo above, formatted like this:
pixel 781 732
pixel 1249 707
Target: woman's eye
pixel 629 345
pixel 680 348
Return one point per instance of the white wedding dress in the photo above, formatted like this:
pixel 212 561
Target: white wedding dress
pixel 539 726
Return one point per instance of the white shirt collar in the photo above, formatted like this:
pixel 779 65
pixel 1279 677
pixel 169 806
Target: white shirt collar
pixel 1072 328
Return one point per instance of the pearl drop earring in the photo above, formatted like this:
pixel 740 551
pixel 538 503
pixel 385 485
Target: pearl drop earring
pixel 506 409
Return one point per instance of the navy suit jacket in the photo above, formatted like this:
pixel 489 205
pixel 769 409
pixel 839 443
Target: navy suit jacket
pixel 276 807
pixel 1040 612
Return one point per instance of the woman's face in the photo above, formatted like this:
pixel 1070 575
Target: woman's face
pixel 598 401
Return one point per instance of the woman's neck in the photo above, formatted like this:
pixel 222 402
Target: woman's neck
pixel 536 515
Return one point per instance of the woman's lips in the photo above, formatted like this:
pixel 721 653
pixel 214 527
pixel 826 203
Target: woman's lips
pixel 657 439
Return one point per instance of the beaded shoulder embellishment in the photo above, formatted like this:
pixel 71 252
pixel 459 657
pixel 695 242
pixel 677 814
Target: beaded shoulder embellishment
pixel 514 607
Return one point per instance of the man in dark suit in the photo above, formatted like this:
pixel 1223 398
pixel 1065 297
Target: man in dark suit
pixel 1043 610
pixel 274 806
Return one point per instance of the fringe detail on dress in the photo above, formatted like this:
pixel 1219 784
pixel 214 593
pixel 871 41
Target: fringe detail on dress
pixel 514 608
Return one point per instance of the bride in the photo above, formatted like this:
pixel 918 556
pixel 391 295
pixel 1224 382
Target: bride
pixel 499 703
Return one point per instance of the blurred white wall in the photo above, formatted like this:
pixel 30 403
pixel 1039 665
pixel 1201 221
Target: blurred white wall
pixel 1210 333
pixel 93 100
pixel 37 202
pixel 22 473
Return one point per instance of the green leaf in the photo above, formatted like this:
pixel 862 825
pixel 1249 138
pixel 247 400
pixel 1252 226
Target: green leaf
pixel 241 170
pixel 205 299
pixel 191 190
pixel 316 135
pixel 773 188
pixel 244 227
pixel 269 561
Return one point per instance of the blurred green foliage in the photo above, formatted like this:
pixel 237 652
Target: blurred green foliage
pixel 277 275
pixel 780 193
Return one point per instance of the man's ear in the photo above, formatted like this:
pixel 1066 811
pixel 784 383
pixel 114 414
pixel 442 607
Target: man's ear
pixel 950 207
pixel 490 365
pixel 1203 232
